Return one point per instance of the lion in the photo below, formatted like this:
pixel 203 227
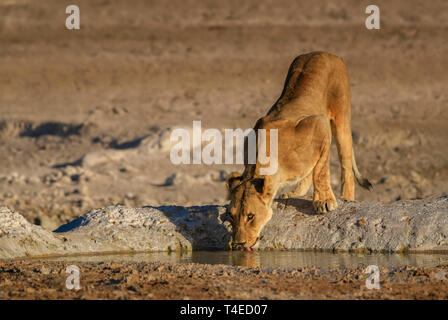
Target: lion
pixel 313 106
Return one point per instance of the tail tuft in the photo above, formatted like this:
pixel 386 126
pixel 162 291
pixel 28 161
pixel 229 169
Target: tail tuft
pixel 363 182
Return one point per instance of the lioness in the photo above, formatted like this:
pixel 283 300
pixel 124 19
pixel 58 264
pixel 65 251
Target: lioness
pixel 314 104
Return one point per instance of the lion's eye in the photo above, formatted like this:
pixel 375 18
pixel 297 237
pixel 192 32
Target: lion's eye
pixel 250 216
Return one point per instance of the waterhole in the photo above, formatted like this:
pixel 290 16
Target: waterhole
pixel 272 259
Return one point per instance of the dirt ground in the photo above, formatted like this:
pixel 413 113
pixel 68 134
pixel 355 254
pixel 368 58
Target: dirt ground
pixel 138 68
pixel 113 280
pixel 84 116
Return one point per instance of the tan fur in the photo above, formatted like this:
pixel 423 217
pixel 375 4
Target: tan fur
pixel 314 104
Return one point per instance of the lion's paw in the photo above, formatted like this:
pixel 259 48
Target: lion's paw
pixel 324 206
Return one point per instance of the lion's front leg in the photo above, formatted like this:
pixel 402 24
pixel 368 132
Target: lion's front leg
pixel 323 199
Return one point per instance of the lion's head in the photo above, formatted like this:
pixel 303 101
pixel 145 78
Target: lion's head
pixel 249 208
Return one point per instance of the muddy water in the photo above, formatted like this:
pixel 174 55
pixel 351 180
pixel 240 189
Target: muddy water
pixel 273 259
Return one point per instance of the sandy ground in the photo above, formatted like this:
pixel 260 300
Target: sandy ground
pixel 137 68
pixel 112 280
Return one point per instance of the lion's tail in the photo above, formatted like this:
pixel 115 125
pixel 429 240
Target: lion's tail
pixel 363 182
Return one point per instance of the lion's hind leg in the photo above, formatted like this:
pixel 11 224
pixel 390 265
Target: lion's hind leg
pixel 341 129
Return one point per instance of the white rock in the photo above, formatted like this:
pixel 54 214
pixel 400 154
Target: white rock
pixel 419 225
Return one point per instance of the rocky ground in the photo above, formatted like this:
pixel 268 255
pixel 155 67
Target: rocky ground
pixel 115 280
pixel 417 225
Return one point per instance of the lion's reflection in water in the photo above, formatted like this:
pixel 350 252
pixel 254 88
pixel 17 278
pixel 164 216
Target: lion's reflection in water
pixel 245 259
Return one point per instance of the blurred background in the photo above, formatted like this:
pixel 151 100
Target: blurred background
pixel 86 115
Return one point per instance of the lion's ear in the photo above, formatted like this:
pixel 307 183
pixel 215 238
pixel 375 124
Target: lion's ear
pixel 264 186
pixel 233 179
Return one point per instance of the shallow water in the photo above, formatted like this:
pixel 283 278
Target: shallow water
pixel 272 259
